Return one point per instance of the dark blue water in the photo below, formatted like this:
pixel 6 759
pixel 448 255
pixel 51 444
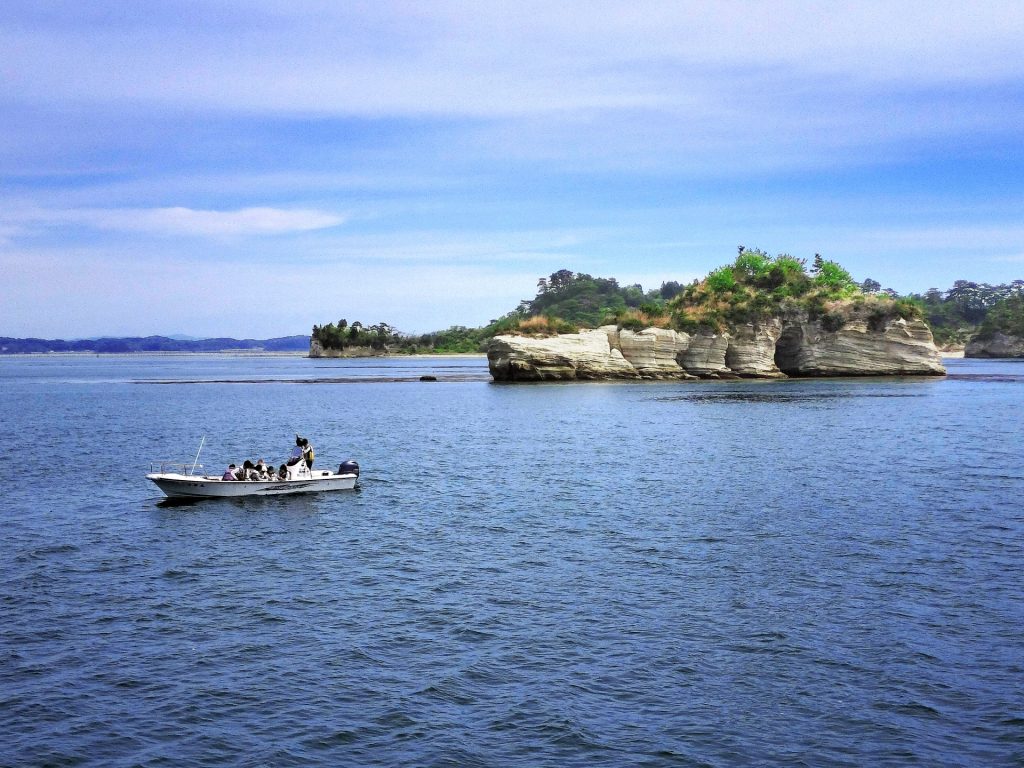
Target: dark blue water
pixel 774 573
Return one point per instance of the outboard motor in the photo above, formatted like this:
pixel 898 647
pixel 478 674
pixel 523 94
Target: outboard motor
pixel 349 468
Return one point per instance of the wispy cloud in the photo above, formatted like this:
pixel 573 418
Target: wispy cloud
pixel 498 59
pixel 180 221
pixel 702 88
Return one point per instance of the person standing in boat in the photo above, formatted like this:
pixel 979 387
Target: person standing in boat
pixel 296 454
pixel 307 453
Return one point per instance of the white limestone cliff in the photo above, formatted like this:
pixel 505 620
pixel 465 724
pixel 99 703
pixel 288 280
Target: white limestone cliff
pixel 896 347
pixel 751 351
pixel 705 357
pixel 584 355
pixel 653 352
pixel 770 348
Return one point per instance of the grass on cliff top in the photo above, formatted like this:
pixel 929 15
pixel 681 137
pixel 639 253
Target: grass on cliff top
pixel 648 316
pixel 630 319
pixel 538 325
pixel 757 286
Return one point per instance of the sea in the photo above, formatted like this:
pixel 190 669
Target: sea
pixel 740 573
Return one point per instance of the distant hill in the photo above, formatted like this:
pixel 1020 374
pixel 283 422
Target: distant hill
pixel 9 346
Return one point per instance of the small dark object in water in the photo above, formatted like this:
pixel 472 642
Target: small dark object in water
pixel 428 378
pixel 349 468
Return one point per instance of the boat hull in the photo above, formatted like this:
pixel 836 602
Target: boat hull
pixel 178 486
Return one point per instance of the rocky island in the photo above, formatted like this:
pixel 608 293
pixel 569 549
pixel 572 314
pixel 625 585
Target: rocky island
pixel 760 317
pixel 1002 332
pixel 996 344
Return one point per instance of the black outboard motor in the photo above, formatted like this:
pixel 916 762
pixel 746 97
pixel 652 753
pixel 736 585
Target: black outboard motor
pixel 349 468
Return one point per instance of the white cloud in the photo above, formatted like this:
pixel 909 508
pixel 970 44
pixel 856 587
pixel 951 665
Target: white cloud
pixel 702 88
pixel 186 221
pixel 394 58
pixel 441 247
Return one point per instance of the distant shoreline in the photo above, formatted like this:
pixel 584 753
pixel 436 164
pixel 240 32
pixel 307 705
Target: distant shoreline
pixel 160 353
pixel 238 353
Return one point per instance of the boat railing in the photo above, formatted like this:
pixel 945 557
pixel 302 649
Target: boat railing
pixel 175 467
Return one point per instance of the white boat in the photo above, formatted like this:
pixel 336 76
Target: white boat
pixel 178 481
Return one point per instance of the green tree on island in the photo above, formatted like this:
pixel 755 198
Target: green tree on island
pixel 1006 317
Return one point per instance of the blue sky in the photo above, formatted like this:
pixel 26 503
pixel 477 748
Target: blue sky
pixel 253 168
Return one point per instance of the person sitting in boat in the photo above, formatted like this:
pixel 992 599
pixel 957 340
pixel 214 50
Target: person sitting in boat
pixel 261 470
pixel 229 473
pixel 282 473
pixel 246 472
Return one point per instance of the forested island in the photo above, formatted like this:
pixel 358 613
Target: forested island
pixel 761 316
pixel 970 309
pixel 1002 331
pixel 755 284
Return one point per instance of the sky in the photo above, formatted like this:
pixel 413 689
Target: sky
pixel 248 169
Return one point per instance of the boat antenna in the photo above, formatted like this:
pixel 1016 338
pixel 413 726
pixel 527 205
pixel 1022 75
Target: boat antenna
pixel 194 463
